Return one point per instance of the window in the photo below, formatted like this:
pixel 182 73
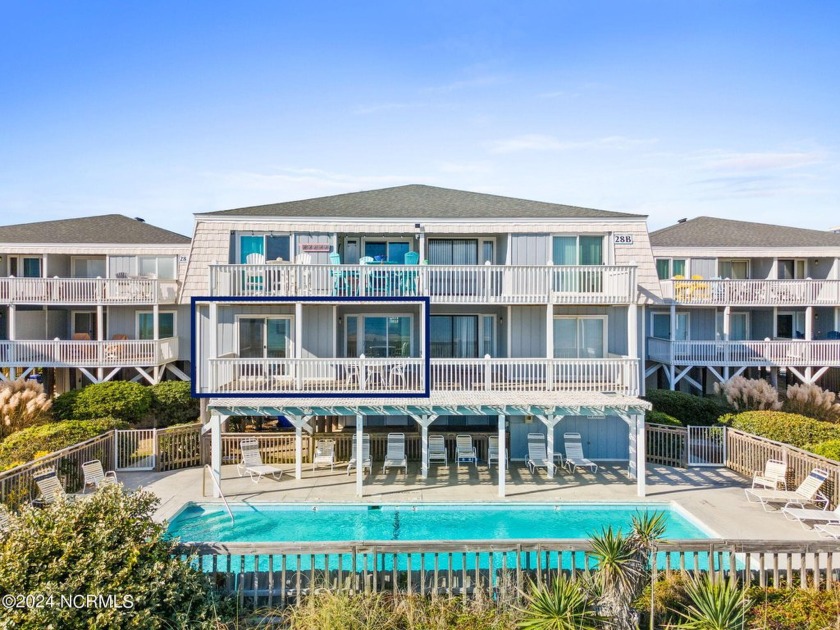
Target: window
pixel 578 250
pixel 791 270
pixel 25 266
pixel 264 337
pixel 162 267
pixel 454 336
pixel 734 269
pixel 88 267
pixel 667 268
pixel 580 337
pixel 738 326
pixel 84 322
pixel 378 337
pixel 661 326
pixel 392 251
pixel 269 246
pixel 146 323
pixel 453 251
pixel 790 325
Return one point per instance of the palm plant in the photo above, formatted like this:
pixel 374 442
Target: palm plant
pixel 717 605
pixel 561 606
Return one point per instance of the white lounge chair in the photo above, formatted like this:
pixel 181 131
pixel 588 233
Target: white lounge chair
pixel 808 492
pixel 574 457
pixel 5 518
pixel 437 450
pixel 324 454
pixel 464 450
pixel 395 455
pixel 773 475
pixel 537 455
pixel 794 511
pixel 366 459
pixel 829 529
pixel 252 462
pixel 50 488
pixel 493 451
pixel 95 476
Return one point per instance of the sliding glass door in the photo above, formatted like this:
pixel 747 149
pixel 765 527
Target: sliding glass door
pixel 574 251
pixel 379 337
pixel 580 337
pixel 264 337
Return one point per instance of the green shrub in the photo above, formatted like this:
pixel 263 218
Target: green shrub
pixel 120 399
pixel 64 406
pixel 658 417
pixel 789 428
pixel 829 449
pixel 22 446
pixel 686 408
pixel 783 609
pixel 105 545
pixel 173 404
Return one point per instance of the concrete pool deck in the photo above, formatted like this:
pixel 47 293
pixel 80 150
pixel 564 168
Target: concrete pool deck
pixel 713 496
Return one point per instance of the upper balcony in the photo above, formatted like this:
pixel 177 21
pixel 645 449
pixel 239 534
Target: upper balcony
pixel 405 376
pixel 93 354
pixel 496 284
pixel 700 292
pixel 88 291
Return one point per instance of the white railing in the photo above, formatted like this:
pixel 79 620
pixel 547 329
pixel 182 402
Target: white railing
pixel 599 284
pixel 790 352
pixel 404 376
pixel 130 352
pixel 753 292
pixel 88 291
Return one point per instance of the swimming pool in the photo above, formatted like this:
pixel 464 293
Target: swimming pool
pixel 399 522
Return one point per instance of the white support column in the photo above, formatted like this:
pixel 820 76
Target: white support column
pixel 424 422
pixel 100 335
pixel 507 339
pixel 12 336
pixel 298 329
pixel 216 451
pixel 641 450
pixel 209 380
pixel 502 456
pixel 299 422
pixel 550 421
pixel 549 331
pixel 673 318
pixel 727 322
pixel 809 336
pixel 155 321
pixel 360 465
pixel 633 331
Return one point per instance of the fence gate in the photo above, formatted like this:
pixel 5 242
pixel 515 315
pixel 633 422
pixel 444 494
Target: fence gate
pixel 136 449
pixel 706 446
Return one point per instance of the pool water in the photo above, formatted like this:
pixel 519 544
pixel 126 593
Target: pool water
pixel 310 523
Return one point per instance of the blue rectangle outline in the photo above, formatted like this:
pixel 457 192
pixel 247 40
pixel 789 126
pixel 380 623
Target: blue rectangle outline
pixel 424 300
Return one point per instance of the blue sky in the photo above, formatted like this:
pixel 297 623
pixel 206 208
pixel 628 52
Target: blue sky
pixel 668 108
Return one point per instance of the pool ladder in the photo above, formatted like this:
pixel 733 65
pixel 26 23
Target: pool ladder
pixel 218 487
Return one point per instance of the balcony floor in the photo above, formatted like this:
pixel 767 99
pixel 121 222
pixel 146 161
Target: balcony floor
pixel 712 495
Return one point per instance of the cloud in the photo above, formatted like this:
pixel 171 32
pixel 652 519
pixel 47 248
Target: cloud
pixel 465 84
pixel 537 142
pixel 762 161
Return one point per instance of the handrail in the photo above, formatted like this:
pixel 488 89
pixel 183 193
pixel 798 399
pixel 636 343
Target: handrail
pixel 218 487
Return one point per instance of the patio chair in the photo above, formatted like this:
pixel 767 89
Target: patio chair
pixel 829 529
pixel 395 455
pixel 437 450
pixel 324 454
pixel 50 488
pixel 808 492
pixel 794 511
pixel 408 277
pixel 464 450
pixel 396 376
pixel 254 283
pixel 537 455
pixel 116 351
pixel 366 460
pixel 95 476
pixel 774 473
pixel 5 518
pixel 493 451
pixel 252 462
pixel 574 454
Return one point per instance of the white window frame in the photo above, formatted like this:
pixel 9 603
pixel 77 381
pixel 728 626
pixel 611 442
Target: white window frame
pixel 671 259
pixel 606 246
pixel 604 341
pixel 388 240
pixel 479 330
pixel 20 258
pixel 240 233
pixel 734 260
pixel 794 315
pixel 719 331
pixel 137 315
pixel 360 330
pixel 79 311
pixel 292 350
pixel 687 315
pixel 796 262
pixel 157 258
pixel 75 259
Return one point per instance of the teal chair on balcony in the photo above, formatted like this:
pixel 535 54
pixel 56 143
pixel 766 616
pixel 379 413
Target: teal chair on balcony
pixel 338 276
pixel 408 277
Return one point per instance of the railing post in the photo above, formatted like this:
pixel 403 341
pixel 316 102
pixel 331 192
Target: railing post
pixel 488 376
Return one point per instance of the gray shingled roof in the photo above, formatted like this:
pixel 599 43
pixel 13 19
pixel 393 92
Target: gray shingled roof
pixel 106 228
pixel 420 202
pixel 714 232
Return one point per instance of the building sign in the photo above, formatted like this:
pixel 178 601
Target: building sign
pixel 315 247
pixel 623 239
pixel 182 259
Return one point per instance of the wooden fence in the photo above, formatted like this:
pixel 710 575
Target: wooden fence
pixel 747 453
pixel 278 573
pixel 17 485
pixel 666 445
pixel 179 447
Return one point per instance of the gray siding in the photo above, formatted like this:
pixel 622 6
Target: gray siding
pixel 705 267
pixel 529 249
pixel 761 324
pixel 527 331
pixel 823 322
pixel 702 324
pixel 760 268
pixel 58 265
pixel 604 439
pixel 318 331
pixel 318 258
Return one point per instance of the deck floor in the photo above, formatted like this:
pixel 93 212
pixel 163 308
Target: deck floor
pixel 714 496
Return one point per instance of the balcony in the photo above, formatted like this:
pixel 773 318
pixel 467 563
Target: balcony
pixel 460 284
pixel 753 292
pixel 779 353
pixel 88 291
pixel 231 375
pixel 110 353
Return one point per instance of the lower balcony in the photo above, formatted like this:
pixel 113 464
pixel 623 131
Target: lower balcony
pixel 776 353
pixel 398 376
pixel 112 353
